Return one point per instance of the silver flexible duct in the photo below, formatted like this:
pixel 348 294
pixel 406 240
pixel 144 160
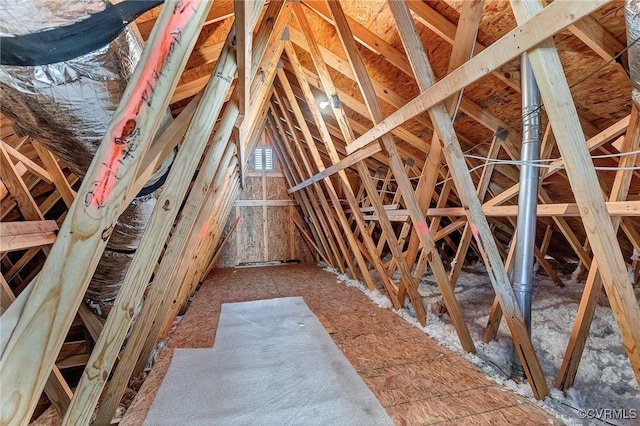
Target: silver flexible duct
pixel 632 15
pixel 527 197
pixel 67 106
pixel 43 15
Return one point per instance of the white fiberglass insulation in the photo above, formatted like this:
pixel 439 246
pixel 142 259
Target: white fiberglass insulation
pixel 604 380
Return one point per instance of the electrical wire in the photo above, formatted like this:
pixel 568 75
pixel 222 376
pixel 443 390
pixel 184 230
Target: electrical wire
pixel 542 166
pixel 533 163
pixel 621 154
pixel 537 163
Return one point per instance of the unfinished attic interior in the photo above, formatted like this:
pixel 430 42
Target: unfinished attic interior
pixel 320 212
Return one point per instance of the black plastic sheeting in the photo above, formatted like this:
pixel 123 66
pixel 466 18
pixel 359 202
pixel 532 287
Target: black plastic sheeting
pixel 71 41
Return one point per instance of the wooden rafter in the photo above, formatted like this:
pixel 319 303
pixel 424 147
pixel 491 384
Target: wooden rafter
pixel 552 19
pixel 168 277
pixel 464 44
pixel 56 389
pixel 350 227
pixel 467 234
pixel 84 233
pixel 325 223
pixel 260 90
pixel 406 189
pixel 244 35
pixel 318 165
pixel 326 137
pixel 156 232
pixel 582 176
pixel 593 285
pixel 22 235
pixel 467 192
pixel 342 252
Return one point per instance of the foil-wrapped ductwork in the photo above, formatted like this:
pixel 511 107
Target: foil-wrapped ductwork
pixel 106 282
pixel 117 256
pixel 67 106
pixel 33 16
pixel 110 272
pixel 632 15
pixel 127 232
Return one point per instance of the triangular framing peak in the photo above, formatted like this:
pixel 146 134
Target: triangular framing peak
pixel 380 139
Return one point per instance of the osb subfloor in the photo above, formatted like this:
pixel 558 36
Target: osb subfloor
pixel 417 381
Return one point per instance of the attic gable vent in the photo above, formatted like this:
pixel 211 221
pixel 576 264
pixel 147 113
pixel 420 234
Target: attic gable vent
pixel 268 159
pixel 258 158
pixel 263 159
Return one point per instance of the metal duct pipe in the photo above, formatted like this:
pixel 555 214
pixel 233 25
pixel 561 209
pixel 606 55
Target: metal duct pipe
pixel 632 16
pixel 67 106
pixel 527 197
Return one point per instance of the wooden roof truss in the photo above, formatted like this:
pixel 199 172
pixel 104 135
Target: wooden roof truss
pixel 377 173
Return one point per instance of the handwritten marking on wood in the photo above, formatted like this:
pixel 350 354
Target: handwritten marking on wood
pixel 125 133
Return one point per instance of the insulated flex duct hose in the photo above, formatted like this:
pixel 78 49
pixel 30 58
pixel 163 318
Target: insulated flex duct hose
pixel 64 68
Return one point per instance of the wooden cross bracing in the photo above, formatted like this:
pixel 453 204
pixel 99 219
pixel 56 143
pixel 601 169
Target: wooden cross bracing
pixel 329 160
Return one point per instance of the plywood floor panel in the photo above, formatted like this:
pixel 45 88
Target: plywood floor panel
pixel 272 363
pixel 416 380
